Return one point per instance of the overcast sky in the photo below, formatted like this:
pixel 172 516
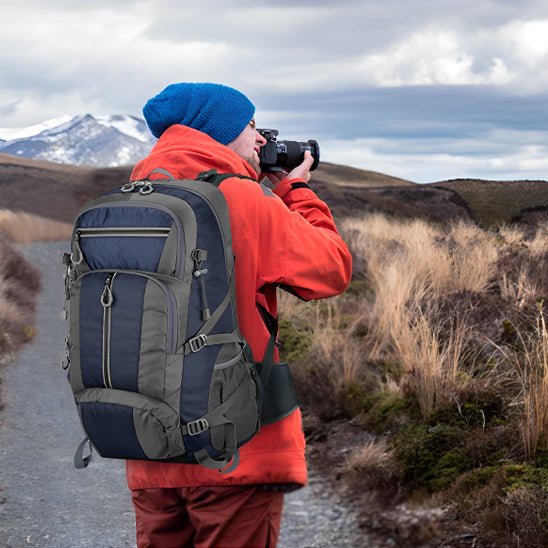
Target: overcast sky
pixel 421 89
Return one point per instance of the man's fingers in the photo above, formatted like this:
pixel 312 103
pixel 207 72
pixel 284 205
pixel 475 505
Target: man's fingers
pixel 308 159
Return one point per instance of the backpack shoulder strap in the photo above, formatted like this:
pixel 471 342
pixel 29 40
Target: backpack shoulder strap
pixel 211 176
pixel 216 179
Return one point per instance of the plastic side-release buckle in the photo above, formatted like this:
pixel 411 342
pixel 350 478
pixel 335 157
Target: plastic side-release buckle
pixel 197 427
pixel 197 343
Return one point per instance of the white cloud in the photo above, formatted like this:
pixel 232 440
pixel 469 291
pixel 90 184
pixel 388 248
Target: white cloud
pixel 431 57
pixel 528 40
pixel 506 155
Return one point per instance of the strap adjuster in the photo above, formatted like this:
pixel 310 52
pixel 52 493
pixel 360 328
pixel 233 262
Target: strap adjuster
pixel 197 343
pixel 197 427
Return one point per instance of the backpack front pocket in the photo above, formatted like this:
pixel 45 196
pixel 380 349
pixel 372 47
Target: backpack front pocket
pixel 104 238
pixel 129 323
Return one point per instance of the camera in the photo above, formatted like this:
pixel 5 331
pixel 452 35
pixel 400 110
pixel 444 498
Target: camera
pixel 285 155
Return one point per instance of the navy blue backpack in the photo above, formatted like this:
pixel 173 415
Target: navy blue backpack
pixel 157 365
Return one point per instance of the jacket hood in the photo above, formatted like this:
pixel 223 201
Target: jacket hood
pixel 186 152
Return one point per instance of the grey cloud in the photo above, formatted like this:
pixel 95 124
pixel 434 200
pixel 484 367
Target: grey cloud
pixel 332 28
pixel 75 6
pixel 410 112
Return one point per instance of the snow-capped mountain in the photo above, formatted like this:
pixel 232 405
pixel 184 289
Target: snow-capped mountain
pixel 81 140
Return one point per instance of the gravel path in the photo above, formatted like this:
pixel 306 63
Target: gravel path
pixel 44 501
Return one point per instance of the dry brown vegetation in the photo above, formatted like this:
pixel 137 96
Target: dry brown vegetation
pixel 441 348
pixel 24 228
pixel 19 284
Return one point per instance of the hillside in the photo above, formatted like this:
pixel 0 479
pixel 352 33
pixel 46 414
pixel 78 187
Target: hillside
pixel 52 190
pixel 494 202
pixel 57 191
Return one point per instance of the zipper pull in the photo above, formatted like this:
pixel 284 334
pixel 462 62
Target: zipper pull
pixel 199 256
pixel 107 298
pixel 129 187
pixel 146 188
pixel 66 362
pixel 77 256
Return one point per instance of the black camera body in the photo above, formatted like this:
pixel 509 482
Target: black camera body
pixel 285 155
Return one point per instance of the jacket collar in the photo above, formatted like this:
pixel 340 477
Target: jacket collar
pixel 186 152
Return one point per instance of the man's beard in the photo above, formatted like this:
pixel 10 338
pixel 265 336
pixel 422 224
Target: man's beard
pixel 254 161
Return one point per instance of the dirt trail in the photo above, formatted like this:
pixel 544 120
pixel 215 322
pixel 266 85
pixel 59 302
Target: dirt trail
pixel 44 501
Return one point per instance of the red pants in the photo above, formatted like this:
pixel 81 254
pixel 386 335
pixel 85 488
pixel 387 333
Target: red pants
pixel 236 517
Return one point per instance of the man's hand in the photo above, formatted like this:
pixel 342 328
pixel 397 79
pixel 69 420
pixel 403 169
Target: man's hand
pixel 302 171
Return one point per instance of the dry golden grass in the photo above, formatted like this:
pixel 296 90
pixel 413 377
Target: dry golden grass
pixel 431 363
pixel 411 265
pixel 530 362
pixel 373 458
pixel 26 228
pixel 417 272
pixel 336 357
pixel 538 246
pixel 462 259
pixel 443 319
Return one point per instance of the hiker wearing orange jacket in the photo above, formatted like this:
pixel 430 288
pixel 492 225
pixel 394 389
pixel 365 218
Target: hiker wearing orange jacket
pixel 281 237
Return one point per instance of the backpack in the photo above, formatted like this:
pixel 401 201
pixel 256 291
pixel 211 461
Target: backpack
pixel 157 365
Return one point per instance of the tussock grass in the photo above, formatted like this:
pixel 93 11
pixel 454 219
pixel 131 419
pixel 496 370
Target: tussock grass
pixel 373 460
pixel 530 361
pixel 441 347
pixel 411 266
pixel 25 228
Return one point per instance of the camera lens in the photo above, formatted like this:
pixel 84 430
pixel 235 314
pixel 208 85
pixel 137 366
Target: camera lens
pixel 290 154
pixel 285 155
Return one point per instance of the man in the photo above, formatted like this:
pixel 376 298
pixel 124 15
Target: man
pixel 286 237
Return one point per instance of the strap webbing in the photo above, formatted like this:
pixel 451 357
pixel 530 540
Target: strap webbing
pixel 211 340
pixel 268 358
pixel 216 417
pixel 79 460
pixel 216 179
pixel 202 456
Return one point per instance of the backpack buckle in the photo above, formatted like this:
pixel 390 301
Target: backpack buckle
pixel 197 343
pixel 197 427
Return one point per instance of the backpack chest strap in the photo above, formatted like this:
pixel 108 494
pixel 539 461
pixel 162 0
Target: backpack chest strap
pixel 200 341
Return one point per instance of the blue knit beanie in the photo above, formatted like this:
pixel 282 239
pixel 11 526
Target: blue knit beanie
pixel 220 111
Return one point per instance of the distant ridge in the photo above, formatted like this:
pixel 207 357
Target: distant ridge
pixel 57 191
pixel 493 202
pixel 351 176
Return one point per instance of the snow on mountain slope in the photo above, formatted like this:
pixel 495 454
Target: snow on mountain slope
pixel 81 140
pixel 10 134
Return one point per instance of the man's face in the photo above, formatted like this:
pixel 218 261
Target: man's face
pixel 248 144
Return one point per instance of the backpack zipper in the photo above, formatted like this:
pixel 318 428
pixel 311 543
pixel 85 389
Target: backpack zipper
pixel 152 232
pixel 107 299
pixel 199 256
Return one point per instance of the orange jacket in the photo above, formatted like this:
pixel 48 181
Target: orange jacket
pixel 285 237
